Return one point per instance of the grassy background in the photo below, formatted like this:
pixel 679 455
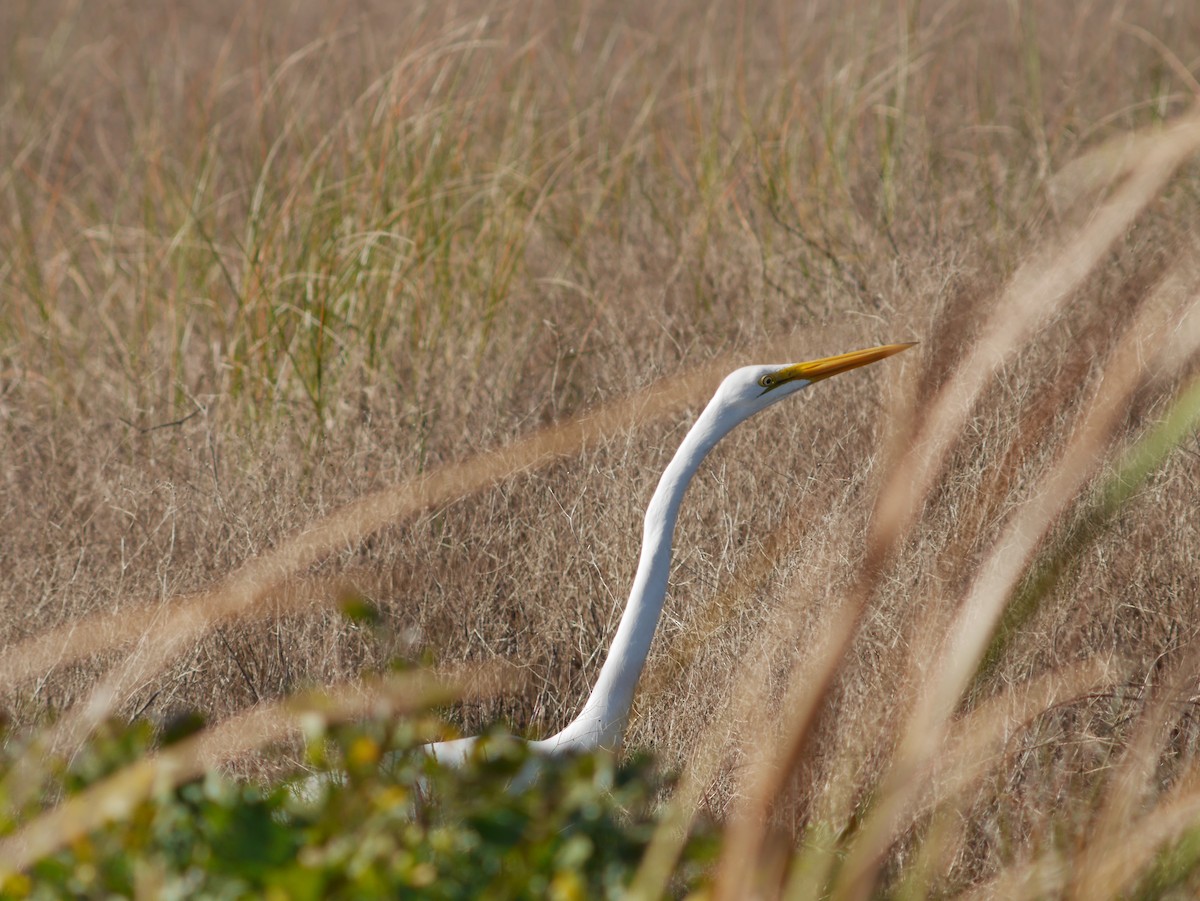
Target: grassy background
pixel 256 263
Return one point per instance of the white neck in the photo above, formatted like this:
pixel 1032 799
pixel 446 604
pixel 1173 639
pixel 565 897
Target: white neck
pixel 602 721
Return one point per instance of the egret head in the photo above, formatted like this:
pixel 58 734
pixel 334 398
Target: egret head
pixel 754 388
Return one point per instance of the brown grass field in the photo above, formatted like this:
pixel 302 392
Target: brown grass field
pixel 415 303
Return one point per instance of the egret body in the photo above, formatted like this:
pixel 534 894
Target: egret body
pixel 744 392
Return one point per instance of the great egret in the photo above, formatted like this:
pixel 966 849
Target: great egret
pixel 744 392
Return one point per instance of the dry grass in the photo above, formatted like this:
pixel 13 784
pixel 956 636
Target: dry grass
pixel 277 287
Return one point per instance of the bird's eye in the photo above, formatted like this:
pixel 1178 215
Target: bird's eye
pixel 767 381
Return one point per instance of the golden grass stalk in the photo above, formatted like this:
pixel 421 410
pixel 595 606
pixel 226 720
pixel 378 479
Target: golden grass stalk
pixel 776 760
pixel 999 575
pixel 1129 782
pixel 1038 288
pixel 1124 853
pixel 1115 865
pixel 978 743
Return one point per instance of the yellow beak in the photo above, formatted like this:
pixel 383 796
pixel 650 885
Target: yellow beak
pixel 815 370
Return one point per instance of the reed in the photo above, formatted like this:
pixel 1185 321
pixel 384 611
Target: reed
pixel 411 305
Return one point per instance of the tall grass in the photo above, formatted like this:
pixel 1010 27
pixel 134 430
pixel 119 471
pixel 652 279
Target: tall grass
pixel 413 304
